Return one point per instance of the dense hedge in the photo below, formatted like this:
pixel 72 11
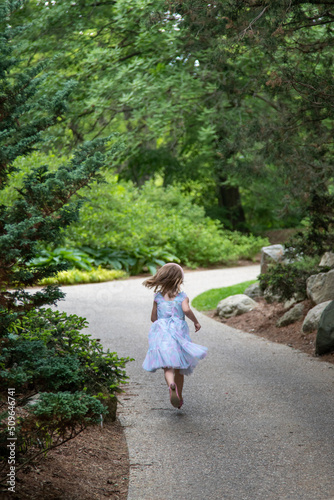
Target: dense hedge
pixel 122 216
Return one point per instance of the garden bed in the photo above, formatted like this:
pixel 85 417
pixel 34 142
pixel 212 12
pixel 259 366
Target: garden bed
pixel 94 465
pixel 262 322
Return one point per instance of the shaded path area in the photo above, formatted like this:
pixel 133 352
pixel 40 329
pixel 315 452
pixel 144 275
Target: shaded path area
pixel 258 418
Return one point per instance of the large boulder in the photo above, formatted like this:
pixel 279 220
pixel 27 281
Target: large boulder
pixel 235 305
pixel 327 260
pixel 320 287
pixel 253 291
pixel 270 255
pixel 291 316
pixel 324 342
pixel 311 321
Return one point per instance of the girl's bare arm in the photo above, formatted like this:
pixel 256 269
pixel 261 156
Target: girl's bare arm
pixel 188 312
pixel 154 315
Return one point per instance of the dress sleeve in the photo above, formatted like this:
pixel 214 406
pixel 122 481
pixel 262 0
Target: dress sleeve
pixel 182 296
pixel 157 297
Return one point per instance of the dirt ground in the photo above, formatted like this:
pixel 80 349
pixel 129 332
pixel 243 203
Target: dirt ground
pixel 94 465
pixel 262 322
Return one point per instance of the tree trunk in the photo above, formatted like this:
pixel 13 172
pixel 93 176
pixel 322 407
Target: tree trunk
pixel 229 200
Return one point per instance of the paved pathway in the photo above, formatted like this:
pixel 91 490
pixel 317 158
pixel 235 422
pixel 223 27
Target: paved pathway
pixel 257 422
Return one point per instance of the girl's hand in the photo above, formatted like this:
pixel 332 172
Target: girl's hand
pixel 197 327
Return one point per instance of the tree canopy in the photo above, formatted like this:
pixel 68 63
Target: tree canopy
pixel 232 99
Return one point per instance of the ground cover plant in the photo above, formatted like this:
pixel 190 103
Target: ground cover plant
pixel 76 276
pixel 209 300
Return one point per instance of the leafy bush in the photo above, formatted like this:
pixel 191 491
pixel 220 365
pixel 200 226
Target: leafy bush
pixel 75 276
pixel 123 217
pixel 72 256
pixel 45 353
pixel 137 261
pixel 54 419
pixel 45 334
pixel 286 280
pixel 304 250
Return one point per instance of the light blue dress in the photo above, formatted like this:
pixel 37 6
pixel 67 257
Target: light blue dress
pixel 170 345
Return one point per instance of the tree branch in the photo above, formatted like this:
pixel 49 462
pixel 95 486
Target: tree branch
pixel 266 101
pixel 243 33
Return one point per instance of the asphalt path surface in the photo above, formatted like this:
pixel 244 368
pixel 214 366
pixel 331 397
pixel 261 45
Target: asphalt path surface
pixel 258 417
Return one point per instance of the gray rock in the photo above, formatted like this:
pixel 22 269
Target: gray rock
pixel 291 316
pixel 298 297
pixel 253 291
pixel 270 255
pixel 270 296
pixel 289 303
pixel 311 321
pixel 325 337
pixel 327 260
pixel 320 287
pixel 235 305
pixel 33 400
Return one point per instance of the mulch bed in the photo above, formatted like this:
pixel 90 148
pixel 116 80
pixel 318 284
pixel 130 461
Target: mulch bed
pixel 261 321
pixel 94 465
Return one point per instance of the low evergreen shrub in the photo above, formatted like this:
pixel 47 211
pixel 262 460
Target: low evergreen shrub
pixel 286 280
pixel 46 354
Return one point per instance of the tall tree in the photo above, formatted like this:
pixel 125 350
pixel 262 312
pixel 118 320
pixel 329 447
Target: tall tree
pixel 46 202
pixel 197 91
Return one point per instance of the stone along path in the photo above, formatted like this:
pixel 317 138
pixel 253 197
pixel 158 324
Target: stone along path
pixel 257 422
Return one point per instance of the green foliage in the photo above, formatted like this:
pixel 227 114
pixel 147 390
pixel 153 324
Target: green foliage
pixel 209 300
pixel 187 105
pixel 52 420
pixel 155 224
pixel 45 342
pixel 66 408
pixel 45 353
pixel 45 203
pixel 318 235
pixel 75 276
pixel 286 280
pixel 74 257
pixel 42 351
pixel 304 250
pixel 234 96
pixel 136 261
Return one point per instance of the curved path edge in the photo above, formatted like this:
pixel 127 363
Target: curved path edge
pixel 257 422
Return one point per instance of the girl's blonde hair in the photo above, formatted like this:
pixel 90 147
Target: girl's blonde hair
pixel 167 280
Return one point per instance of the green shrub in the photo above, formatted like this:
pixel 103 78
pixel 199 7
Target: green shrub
pixel 44 342
pixel 136 261
pixel 122 217
pixel 286 280
pixel 44 352
pixel 52 420
pixel 304 249
pixel 71 256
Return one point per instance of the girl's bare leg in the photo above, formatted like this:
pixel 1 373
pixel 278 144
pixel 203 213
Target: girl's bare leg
pixel 169 376
pixel 179 379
